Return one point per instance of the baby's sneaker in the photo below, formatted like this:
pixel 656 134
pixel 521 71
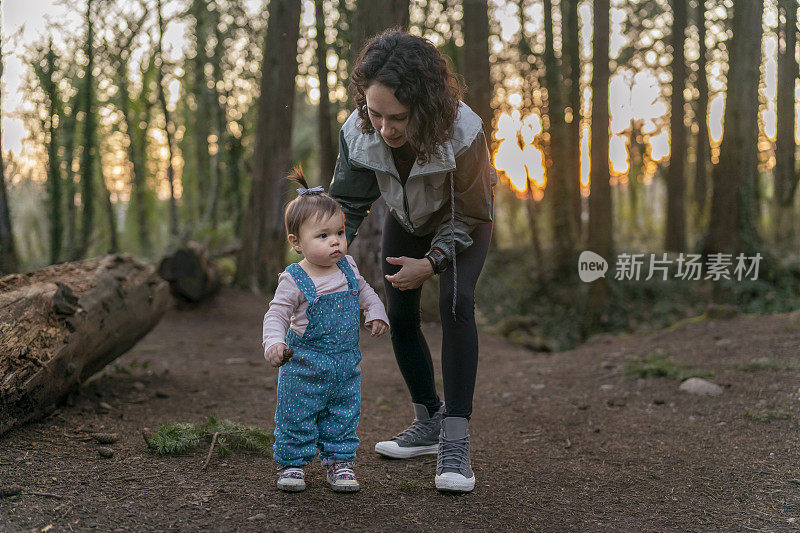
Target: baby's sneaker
pixel 291 479
pixel 341 476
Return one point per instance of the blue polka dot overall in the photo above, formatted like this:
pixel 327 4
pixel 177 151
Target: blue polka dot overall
pixel 319 389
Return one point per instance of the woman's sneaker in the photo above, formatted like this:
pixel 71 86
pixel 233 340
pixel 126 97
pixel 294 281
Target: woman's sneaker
pixel 453 468
pixel 291 479
pixel 341 476
pixel 420 438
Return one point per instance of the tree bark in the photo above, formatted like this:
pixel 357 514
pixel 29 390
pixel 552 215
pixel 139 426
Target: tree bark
pixel 327 151
pixel 476 70
pixel 192 276
pixel 202 112
pixel 366 249
pixel 62 324
pixel 702 147
pixel 8 253
pixel 785 175
pixel 70 132
pixel 564 256
pixel 571 63
pixel 600 230
pixel 89 152
pixel 53 163
pixel 169 126
pixel 262 256
pixel 136 155
pixel 731 228
pixel 675 236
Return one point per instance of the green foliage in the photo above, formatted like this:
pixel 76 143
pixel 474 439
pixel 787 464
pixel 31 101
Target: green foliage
pixel 767 415
pixel 660 365
pixel 765 363
pixel 174 438
pixel 762 363
pixel 180 437
pixel 513 297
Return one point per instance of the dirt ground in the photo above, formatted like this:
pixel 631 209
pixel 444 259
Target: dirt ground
pixel 561 442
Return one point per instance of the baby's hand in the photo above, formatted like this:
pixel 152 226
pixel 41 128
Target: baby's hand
pixel 274 355
pixel 377 326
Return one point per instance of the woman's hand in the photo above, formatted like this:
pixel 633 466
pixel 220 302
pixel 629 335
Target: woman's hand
pixel 378 327
pixel 413 273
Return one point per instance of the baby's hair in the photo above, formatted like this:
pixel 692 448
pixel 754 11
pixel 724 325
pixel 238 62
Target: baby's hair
pixel 307 206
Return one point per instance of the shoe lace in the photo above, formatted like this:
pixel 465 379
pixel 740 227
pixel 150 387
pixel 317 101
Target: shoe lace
pixel 417 429
pixel 292 472
pixel 453 452
pixel 343 470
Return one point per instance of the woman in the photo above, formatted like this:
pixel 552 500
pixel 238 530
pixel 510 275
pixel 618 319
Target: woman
pixel 413 142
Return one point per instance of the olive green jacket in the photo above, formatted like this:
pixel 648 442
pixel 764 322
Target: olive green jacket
pixel 365 171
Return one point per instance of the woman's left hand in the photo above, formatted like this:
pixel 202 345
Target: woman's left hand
pixel 413 273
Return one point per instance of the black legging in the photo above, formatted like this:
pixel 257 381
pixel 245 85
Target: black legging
pixel 459 334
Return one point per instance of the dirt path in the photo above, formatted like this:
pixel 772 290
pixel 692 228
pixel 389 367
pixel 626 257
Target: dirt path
pixel 561 442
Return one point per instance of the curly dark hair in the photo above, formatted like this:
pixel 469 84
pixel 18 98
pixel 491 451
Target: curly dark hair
pixel 422 80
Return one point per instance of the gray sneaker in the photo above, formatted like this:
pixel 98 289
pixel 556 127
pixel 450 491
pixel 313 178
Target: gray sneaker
pixel 453 469
pixel 420 438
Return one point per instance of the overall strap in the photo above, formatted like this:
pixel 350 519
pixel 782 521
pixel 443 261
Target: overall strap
pixel 303 281
pixel 352 283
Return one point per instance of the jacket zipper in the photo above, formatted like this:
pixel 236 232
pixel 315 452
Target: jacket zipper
pixel 405 198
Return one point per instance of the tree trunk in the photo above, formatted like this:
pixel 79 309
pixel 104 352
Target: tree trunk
pixel 192 276
pixel 202 97
pixel 71 132
pixel 169 126
pixel 702 148
pixel 374 16
pixel 532 210
pixel 784 174
pixel 571 63
pixel 135 156
pixel 53 163
pixel 89 142
pixel 111 216
pixel 8 252
pixel 262 255
pixel 600 231
pixel 731 228
pixel 327 151
pixel 476 70
pixel 675 236
pixel 366 249
pixel 64 323
pixel 211 213
pixel 564 256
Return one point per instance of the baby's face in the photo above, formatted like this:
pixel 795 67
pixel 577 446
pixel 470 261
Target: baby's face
pixel 322 240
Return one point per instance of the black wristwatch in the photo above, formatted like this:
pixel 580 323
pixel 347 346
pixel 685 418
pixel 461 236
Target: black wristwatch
pixel 437 259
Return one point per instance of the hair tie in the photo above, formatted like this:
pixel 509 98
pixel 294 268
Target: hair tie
pixel 314 190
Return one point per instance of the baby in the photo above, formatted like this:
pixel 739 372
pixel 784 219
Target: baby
pixel 312 326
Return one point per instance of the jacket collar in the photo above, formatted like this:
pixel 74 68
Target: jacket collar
pixel 369 150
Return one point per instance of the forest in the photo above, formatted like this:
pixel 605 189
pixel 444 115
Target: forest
pixel 639 307
pixel 658 128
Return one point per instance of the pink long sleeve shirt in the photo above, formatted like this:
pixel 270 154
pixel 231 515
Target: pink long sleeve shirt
pixel 288 308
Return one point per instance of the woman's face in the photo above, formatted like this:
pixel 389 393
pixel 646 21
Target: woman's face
pixel 388 116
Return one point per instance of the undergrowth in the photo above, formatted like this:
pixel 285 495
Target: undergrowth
pixel 177 438
pixel 660 365
pixel 515 300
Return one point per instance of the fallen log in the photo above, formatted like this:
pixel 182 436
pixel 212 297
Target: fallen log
pixel 62 324
pixel 192 276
